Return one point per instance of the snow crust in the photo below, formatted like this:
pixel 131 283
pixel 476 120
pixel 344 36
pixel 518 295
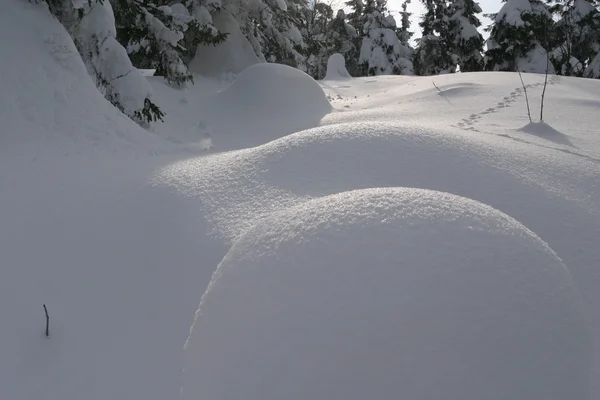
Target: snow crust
pixel 264 108
pixel 381 293
pixel 336 68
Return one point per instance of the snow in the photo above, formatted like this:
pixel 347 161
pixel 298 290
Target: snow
pixel 264 109
pixel 380 292
pixel 118 229
pixel 336 68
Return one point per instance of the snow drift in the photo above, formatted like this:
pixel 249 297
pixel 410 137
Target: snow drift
pixel 265 102
pixel 388 293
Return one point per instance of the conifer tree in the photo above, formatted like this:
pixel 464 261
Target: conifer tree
pixel 434 54
pixel 520 37
pixel 356 18
pixel 404 33
pixel 91 24
pixel 381 52
pixel 467 42
pixel 162 37
pixel 577 35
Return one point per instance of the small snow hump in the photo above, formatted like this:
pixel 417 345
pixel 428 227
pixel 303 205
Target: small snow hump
pixel 268 101
pixel 336 68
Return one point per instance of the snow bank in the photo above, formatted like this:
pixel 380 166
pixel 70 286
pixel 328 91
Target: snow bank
pixel 336 68
pixel 389 293
pixel 265 102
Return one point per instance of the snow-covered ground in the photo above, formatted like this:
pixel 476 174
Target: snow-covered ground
pixel 419 237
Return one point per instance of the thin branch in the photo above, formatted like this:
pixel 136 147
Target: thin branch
pixel 545 82
pixel 544 90
pixel 47 321
pixel 525 90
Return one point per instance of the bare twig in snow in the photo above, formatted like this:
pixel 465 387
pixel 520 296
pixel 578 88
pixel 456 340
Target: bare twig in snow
pixel 525 90
pixel 545 84
pixel 47 321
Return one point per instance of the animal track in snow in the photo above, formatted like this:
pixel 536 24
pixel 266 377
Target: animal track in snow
pixel 504 103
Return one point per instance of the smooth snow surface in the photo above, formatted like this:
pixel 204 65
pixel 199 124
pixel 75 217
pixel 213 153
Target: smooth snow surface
pixel 118 229
pixel 463 137
pixel 389 293
pixel 336 67
pixel 265 102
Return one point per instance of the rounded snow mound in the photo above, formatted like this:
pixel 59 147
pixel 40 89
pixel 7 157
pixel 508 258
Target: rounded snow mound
pixel 336 68
pixel 268 101
pixel 384 294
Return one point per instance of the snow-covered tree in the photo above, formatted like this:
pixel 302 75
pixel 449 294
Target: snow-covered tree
pixel 91 24
pixel 356 18
pixel 593 68
pixel 314 22
pixel 434 54
pixel 163 37
pixel 463 34
pixel 343 38
pixel 278 32
pixel 520 36
pixel 269 26
pixel 404 33
pixel 381 51
pixel 577 34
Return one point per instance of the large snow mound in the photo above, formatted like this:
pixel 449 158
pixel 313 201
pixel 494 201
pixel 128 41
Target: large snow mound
pixel 237 189
pixel 389 293
pixel 49 98
pixel 265 102
pixel 336 68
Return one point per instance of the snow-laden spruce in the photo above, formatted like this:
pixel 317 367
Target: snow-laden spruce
pixel 520 39
pixel 267 26
pixel 91 24
pixel 577 37
pixel 381 51
pixel 164 37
